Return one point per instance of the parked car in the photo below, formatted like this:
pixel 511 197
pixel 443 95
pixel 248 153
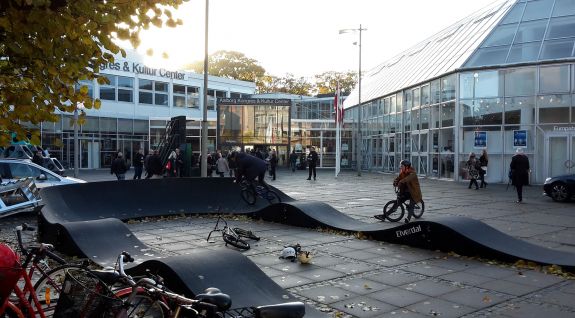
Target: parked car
pixel 561 188
pixel 14 169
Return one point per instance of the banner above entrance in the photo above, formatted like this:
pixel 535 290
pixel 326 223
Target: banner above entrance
pixel 255 101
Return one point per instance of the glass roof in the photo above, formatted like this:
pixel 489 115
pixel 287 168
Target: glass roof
pixel 442 53
pixel 533 31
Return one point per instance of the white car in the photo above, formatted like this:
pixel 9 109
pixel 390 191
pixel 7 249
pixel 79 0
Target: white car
pixel 13 169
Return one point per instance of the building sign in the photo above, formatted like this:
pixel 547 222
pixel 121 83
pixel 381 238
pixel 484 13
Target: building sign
pixel 480 139
pixel 255 101
pixel 138 68
pixel 520 138
pixel 558 128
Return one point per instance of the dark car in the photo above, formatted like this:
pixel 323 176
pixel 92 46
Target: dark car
pixel 561 188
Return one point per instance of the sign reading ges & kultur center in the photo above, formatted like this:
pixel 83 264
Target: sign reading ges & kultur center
pixel 138 68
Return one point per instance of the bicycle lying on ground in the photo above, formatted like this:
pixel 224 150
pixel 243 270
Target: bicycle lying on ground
pixel 233 236
pixel 250 190
pixel 394 210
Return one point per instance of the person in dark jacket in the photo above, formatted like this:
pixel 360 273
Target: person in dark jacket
pixel 273 164
pixel 179 162
pixel 119 167
pixel 483 162
pixel 250 167
pixel 519 168
pixel 38 158
pixel 155 165
pixel 312 159
pixel 138 164
pixel 293 160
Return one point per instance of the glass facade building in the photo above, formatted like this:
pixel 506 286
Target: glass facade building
pixel 498 80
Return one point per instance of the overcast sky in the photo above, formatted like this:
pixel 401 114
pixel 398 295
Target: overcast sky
pixel 301 36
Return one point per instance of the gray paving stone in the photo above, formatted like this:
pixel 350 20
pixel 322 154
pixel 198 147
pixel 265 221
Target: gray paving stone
pixel 292 280
pixel 430 287
pixel 398 297
pixel 351 268
pixel 364 307
pixel 428 270
pixel 533 278
pixel 327 294
pixel 466 278
pixel 320 274
pixel 532 310
pixel 507 287
pixel 361 286
pixel 474 297
pixel 436 307
pixel 395 278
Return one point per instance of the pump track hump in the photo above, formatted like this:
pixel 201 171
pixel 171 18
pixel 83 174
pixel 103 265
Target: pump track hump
pixel 87 220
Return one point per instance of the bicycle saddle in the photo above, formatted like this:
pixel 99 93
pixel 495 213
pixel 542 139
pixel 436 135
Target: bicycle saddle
pixel 294 309
pixel 215 297
pixel 108 276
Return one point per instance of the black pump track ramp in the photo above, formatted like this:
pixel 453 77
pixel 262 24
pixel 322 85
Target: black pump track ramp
pixel 72 211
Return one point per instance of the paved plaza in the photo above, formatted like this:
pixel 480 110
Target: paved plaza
pixel 353 277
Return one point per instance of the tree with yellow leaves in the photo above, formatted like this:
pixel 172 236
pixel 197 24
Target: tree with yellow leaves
pixel 48 46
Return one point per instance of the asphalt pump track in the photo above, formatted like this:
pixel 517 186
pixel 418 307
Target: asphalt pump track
pixel 87 220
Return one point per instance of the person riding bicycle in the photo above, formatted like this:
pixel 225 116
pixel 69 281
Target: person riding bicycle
pixel 249 167
pixel 408 185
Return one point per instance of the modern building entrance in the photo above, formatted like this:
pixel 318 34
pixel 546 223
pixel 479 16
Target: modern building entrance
pixel 560 153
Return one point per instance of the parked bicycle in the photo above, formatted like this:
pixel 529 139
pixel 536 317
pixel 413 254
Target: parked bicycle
pixel 251 190
pixel 394 210
pixel 233 236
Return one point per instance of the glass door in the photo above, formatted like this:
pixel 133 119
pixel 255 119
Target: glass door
pixel 560 151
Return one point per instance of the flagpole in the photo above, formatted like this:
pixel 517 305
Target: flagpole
pixel 337 131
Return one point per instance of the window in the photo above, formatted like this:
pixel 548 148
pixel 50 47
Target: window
pixel 89 84
pixel 519 110
pixel 561 27
pixel 530 31
pixel 503 35
pixel 524 52
pixel 125 89
pixel 152 92
pixel 537 10
pixel 553 108
pixel 213 95
pixel 108 91
pixel 520 82
pixel 120 89
pixel 554 79
pixel 482 112
pixel 555 49
pixel 448 88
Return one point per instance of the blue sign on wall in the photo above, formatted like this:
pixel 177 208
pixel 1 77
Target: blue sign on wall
pixel 480 139
pixel 520 138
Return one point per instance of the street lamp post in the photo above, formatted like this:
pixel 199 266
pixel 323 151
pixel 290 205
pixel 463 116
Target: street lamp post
pixel 359 115
pixel 79 106
pixel 204 141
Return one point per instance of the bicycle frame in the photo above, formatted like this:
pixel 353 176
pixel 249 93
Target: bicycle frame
pixel 33 309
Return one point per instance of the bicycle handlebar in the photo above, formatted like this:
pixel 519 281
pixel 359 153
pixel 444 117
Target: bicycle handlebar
pixel 39 251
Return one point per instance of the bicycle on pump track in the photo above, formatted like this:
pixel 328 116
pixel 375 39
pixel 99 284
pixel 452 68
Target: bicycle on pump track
pixel 233 236
pixel 394 210
pixel 251 190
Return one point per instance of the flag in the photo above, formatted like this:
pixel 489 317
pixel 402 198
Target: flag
pixel 341 111
pixel 336 103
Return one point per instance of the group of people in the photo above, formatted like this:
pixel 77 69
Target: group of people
pixel 477 169
pixel 151 163
pixel 518 171
pixel 312 160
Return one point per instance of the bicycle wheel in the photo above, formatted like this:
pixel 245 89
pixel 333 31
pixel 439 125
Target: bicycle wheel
pixel 273 197
pixel 142 306
pixel 235 241
pixel 48 287
pixel 393 211
pixel 419 209
pixel 249 196
pixel 246 234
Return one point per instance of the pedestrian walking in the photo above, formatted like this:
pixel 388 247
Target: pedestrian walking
pixel 222 166
pixel 138 164
pixel 273 164
pixel 171 165
pixel 483 161
pixel 293 160
pixel 312 159
pixel 473 170
pixel 155 165
pixel 119 167
pixel 179 162
pixel 519 169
